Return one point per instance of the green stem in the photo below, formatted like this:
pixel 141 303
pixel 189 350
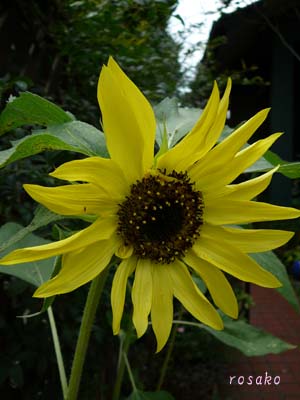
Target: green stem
pixel 130 372
pixel 181 322
pixel 165 365
pixel 57 349
pixel 85 332
pixel 124 347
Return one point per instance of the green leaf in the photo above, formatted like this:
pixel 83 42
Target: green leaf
pixel 270 160
pixel 34 272
pixel 177 120
pixel 80 137
pixel 269 261
pixel 273 158
pixel 47 301
pixel 161 395
pixel 30 109
pixel 42 217
pixel 290 170
pixel 163 147
pixel 74 136
pixel 250 340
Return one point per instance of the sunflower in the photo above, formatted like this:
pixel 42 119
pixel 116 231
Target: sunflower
pixel 166 216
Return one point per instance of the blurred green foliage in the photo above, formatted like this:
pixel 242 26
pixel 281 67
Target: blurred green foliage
pixel 60 46
pixel 134 32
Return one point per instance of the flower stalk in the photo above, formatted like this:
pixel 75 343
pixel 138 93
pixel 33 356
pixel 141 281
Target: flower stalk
pixel 167 358
pixel 134 388
pixel 58 354
pixel 124 347
pixel 91 305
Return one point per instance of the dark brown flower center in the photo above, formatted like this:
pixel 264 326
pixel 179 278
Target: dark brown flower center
pixel 161 217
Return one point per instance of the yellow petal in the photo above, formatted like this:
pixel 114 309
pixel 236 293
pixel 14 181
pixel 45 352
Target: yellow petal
pixel 102 172
pixel 162 305
pixel 72 199
pixel 142 295
pixel 101 229
pixel 247 240
pixel 223 211
pixel 227 149
pixel 234 142
pixel 171 159
pixel 216 179
pixel 79 267
pixel 204 134
pixel 142 109
pixel 229 259
pixel 246 190
pixel 216 128
pixel 191 298
pixel 128 121
pixel 118 290
pixel 215 281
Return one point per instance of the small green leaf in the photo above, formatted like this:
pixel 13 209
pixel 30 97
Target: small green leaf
pixel 161 395
pixel 250 340
pixel 178 121
pixel 33 272
pixel 273 158
pixel 30 109
pixel 74 136
pixel 288 169
pixel 163 145
pixel 269 261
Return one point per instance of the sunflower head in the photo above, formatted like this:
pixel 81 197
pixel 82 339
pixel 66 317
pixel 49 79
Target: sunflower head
pixel 162 216
pixel 168 218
